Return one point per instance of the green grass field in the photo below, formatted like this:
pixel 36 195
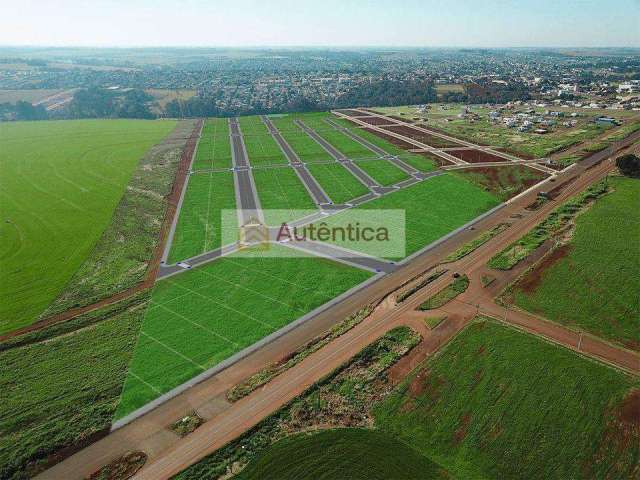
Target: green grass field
pixel 344 144
pixel 57 393
pixel 60 183
pixel 261 147
pixel 345 454
pixel 435 207
pixel 338 182
pixel 199 318
pixel 382 171
pixel 214 147
pixel 281 189
pixel 594 285
pixel 307 149
pixel 497 403
pixel 199 220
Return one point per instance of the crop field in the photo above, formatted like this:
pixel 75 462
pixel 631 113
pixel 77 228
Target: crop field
pixel 498 403
pixel 199 318
pixel 214 148
pixel 593 282
pixel 76 172
pixel 199 220
pixel 435 207
pixel 382 171
pixel 307 149
pixel 337 181
pixel 347 453
pixel 281 189
pixel 261 147
pixel 57 393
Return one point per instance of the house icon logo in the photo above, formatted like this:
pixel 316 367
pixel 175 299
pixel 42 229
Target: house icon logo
pixel 254 234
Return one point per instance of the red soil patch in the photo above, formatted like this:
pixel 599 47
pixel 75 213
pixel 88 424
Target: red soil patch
pixel 629 411
pixel 475 156
pixel 555 191
pixel 420 136
pixel 461 433
pixel 391 139
pixel 375 120
pixel 352 113
pixel 530 282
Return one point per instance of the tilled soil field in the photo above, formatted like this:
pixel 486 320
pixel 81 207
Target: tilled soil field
pixel 475 156
pixel 423 137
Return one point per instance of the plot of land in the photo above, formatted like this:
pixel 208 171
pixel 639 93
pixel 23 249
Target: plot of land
pixel 476 156
pixel 61 182
pixel 593 282
pixel 307 149
pixel 262 149
pixel 281 189
pixel 497 403
pixel 341 142
pixel 214 148
pixel 337 182
pixel 503 181
pixel 435 207
pixel 199 220
pixel 431 140
pixel 382 171
pixel 199 318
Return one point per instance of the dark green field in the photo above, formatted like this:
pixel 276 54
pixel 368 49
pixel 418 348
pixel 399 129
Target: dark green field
pixel 497 403
pixel 594 282
pixel 346 454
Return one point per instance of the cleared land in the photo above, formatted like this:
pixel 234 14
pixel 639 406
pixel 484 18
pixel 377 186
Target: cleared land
pixel 76 172
pixel 504 181
pixel 214 148
pixel 337 181
pixel 345 454
pixel 594 280
pixel 281 189
pixel 262 149
pixel 59 393
pixel 199 221
pixel 199 318
pixel 307 149
pixel 435 207
pixel 382 171
pixel 497 403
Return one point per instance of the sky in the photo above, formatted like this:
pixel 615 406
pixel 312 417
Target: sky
pixel 424 23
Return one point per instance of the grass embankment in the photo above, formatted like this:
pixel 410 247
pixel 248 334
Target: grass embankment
pixel 480 240
pixel 498 403
pixel 444 296
pixel 401 297
pixel 593 281
pixel 342 454
pixel 553 224
pixel 203 316
pixel 266 375
pixel 58 393
pixel 338 400
pixel 61 183
pixel 115 265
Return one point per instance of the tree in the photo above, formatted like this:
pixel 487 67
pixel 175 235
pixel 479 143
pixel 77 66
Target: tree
pixel 629 165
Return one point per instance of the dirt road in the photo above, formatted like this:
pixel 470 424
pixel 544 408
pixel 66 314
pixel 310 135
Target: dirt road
pixel 169 454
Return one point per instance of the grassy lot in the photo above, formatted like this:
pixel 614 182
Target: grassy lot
pixel 281 189
pixel 341 398
pixel 114 265
pixel 594 282
pixel 56 394
pixel 435 207
pixel 497 403
pixel 307 149
pixel 214 148
pixel 506 181
pixel 199 221
pixel 554 223
pixel 338 182
pixel 341 142
pixel 347 453
pixel 448 293
pixel 382 171
pixel 261 147
pixel 201 317
pixel 61 181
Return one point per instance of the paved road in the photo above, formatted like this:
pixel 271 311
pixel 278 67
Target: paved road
pixel 169 454
pixel 245 187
